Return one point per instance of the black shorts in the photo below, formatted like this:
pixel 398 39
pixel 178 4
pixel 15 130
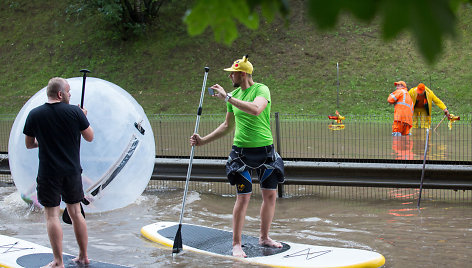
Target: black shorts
pixel 244 182
pixel 51 189
pixel 242 162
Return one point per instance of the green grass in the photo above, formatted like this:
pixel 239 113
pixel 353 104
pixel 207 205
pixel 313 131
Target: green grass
pixel 163 70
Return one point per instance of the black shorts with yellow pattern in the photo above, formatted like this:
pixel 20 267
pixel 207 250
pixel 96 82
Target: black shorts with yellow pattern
pixel 242 162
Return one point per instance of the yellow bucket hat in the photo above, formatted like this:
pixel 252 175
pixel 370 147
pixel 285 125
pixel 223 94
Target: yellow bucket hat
pixel 241 65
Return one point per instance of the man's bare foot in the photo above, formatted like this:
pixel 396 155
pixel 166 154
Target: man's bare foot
pixel 81 260
pixel 269 243
pixel 238 251
pixel 53 264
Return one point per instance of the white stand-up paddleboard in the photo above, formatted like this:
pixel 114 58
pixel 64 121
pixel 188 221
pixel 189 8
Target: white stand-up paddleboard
pixel 219 243
pixel 17 253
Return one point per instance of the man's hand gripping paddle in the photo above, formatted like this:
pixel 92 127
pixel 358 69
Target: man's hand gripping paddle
pixel 178 236
pixel 65 216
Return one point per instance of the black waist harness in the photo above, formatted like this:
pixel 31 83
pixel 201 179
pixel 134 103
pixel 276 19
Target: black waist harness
pixel 244 159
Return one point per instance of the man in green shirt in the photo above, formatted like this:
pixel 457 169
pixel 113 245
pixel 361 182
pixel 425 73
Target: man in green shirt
pixel 248 112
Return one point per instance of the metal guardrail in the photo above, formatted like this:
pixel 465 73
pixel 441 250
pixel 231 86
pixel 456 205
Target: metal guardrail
pixel 457 177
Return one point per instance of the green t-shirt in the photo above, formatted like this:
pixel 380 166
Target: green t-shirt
pixel 251 131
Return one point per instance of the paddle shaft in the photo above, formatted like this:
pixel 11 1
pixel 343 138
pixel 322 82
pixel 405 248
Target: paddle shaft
pixel 424 164
pixel 84 71
pixel 178 236
pixel 65 214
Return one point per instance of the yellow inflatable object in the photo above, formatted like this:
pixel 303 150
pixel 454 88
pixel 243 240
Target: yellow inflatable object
pixel 452 119
pixel 339 119
pixel 336 127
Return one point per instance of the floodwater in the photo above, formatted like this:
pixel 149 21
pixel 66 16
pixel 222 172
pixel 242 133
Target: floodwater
pixel 382 220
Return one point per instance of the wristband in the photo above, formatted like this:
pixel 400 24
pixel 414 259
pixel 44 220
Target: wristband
pixel 228 96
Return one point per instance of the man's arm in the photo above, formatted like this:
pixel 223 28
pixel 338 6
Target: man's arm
pixel 392 98
pixel 87 134
pixel 439 103
pixel 31 142
pixel 254 108
pixel 226 127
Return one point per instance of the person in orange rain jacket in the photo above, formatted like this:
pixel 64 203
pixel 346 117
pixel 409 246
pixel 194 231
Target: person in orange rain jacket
pixel 403 115
pixel 423 99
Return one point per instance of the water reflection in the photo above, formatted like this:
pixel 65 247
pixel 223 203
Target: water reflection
pixel 404 194
pixel 402 147
pixel 403 212
pixel 419 143
pixel 412 147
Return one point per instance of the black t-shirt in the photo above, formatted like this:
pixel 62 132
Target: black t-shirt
pixel 57 128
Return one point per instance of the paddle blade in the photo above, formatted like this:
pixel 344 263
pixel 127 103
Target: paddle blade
pixel 177 241
pixel 66 218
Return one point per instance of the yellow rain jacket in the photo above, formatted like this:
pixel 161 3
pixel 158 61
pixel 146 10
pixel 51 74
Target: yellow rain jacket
pixel 422 116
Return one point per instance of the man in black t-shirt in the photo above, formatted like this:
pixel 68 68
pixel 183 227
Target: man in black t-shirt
pixel 56 128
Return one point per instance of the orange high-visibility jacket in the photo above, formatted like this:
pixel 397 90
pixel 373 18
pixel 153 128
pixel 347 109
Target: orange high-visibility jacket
pixel 403 106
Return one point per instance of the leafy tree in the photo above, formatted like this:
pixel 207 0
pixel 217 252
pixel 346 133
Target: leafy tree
pixel 428 20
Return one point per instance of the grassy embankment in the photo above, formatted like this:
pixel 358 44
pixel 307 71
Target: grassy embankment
pixel 163 70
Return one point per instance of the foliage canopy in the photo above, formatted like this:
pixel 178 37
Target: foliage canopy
pixel 429 20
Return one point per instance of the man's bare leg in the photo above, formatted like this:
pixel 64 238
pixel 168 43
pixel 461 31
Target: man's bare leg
pixel 80 230
pixel 239 214
pixel 269 198
pixel 55 235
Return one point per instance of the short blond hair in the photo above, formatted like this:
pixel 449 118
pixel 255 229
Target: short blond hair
pixel 55 85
